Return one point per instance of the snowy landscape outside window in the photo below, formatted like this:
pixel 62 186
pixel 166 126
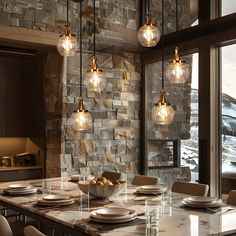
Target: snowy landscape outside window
pixel 228 107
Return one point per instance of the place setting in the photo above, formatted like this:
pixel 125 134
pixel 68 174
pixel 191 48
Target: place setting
pixel 20 189
pixel 151 189
pixel 202 202
pixel 113 215
pixel 51 200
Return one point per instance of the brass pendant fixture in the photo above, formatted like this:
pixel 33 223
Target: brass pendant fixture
pixel 162 112
pixel 67 43
pixel 177 71
pixel 95 79
pixel 81 118
pixel 148 34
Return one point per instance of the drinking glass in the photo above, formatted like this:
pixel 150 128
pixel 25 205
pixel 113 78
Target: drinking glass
pixel 152 218
pixel 166 197
pixel 46 187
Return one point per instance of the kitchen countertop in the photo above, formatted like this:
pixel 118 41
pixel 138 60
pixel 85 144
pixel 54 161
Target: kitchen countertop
pixel 175 218
pixel 8 168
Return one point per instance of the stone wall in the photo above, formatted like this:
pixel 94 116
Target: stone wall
pixel 113 141
pixel 53 112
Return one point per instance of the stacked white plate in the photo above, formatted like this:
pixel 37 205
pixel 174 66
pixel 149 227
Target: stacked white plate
pixel 202 202
pixel 55 200
pixel 20 189
pixel 151 189
pixel 113 215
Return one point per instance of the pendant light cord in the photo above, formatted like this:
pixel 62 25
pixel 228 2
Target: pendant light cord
pixel 162 44
pixel 80 46
pixel 94 29
pixel 67 11
pixel 148 6
pixel 176 19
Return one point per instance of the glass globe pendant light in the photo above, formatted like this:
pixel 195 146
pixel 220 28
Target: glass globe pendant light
pixel 81 118
pixel 162 112
pixel 67 43
pixel 177 71
pixel 148 34
pixel 95 77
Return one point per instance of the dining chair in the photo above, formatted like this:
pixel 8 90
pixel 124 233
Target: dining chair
pixel 32 231
pixel 231 200
pixel 144 180
pixel 111 175
pixel 5 229
pixel 193 189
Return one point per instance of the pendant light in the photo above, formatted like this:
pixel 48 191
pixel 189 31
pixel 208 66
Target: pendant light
pixel 148 34
pixel 67 43
pixel 95 77
pixel 81 118
pixel 162 112
pixel 177 71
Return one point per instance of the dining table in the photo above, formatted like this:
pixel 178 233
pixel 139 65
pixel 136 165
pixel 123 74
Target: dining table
pixel 175 218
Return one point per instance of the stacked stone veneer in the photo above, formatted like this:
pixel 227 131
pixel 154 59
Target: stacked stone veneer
pixel 114 140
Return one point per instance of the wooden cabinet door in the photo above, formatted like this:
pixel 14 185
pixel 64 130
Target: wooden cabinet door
pixel 17 104
pixel 2 99
pixel 14 96
pixel 21 96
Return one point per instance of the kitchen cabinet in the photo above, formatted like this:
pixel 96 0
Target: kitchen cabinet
pixel 20 173
pixel 21 96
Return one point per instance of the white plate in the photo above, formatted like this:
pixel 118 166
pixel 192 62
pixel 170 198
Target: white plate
pixel 19 186
pixel 20 192
pixel 55 201
pixel 113 212
pixel 131 214
pixel 151 191
pixel 52 203
pixel 21 189
pixel 151 187
pixel 112 221
pixel 203 205
pixel 159 191
pixel 199 199
pixel 55 197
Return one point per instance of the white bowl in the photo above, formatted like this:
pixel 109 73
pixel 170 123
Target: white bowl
pixel 99 191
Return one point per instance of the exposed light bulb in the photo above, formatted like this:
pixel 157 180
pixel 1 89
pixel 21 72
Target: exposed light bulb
pixel 162 112
pixel 178 71
pixel 80 118
pixel 67 43
pixel 95 78
pixel 148 34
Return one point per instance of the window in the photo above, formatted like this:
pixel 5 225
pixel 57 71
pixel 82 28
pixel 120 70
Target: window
pixel 228 117
pixel 228 7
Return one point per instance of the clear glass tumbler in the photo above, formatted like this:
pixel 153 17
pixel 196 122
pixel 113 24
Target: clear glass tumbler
pixel 152 218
